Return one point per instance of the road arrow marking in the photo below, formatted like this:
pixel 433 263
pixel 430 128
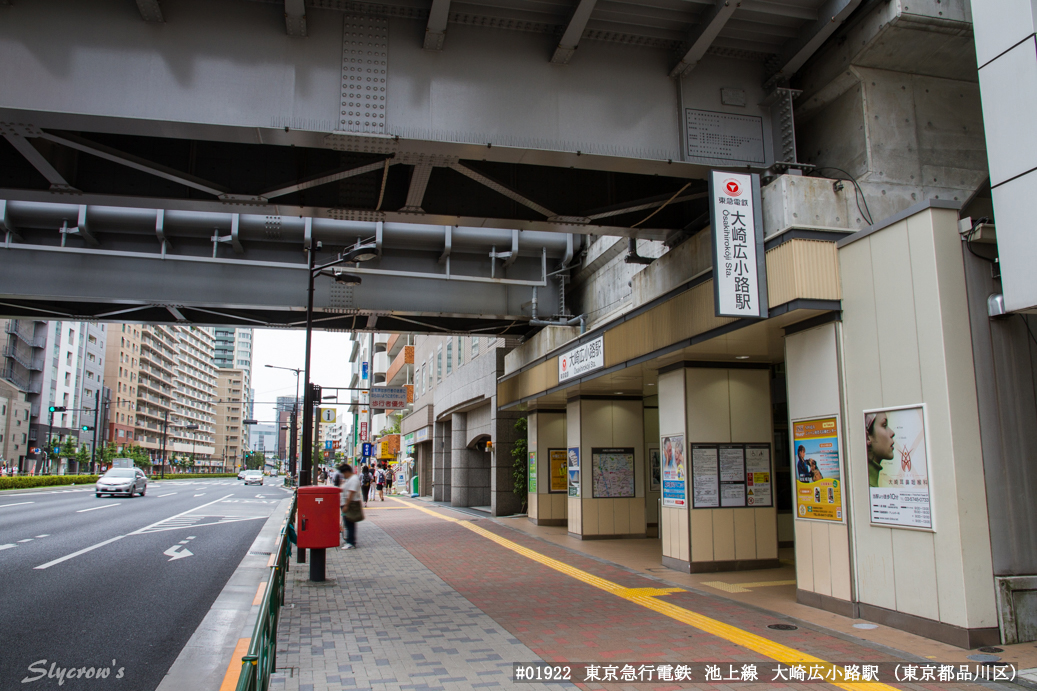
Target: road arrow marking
pixel 177 552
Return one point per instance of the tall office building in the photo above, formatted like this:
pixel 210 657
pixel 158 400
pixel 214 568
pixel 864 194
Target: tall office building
pixel 231 413
pixel 195 393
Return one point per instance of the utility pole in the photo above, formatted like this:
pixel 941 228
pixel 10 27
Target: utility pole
pixel 165 426
pixel 97 426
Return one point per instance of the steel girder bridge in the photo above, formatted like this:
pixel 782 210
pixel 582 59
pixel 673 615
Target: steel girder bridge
pixel 174 160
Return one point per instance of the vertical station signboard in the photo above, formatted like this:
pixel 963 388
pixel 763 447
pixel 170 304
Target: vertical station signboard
pixel 739 269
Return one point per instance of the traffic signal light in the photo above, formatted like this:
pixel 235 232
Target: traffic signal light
pixel 86 428
pixel 57 409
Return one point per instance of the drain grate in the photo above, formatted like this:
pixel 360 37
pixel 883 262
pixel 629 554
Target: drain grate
pixel 259 554
pixel 782 627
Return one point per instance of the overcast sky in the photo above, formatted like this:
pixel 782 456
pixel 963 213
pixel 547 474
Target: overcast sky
pixel 286 348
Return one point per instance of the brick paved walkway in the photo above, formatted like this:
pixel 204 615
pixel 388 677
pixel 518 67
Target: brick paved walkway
pixel 382 620
pixel 429 603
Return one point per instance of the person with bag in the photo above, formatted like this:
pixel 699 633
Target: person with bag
pixel 380 483
pixel 337 479
pixel 352 506
pixel 366 483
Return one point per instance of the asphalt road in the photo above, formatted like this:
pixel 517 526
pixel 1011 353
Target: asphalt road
pixel 115 582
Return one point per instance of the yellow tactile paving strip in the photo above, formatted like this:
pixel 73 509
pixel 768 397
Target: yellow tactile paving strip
pixel 647 598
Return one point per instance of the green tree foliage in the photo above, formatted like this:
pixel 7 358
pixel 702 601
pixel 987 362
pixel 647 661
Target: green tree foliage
pixel 82 457
pixel 520 464
pixel 255 460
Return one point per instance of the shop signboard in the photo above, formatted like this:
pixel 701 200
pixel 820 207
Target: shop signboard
pixel 817 469
pixel 532 472
pixel 739 271
pixel 556 458
pixel 898 467
pixel 582 359
pixel 674 472
pixel 363 430
pixel 573 470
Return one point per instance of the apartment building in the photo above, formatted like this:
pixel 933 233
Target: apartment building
pixel 14 426
pixel 90 393
pixel 230 413
pixel 233 350
pixel 121 376
pixel 196 384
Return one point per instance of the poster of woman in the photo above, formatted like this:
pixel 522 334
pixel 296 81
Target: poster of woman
pixel 898 467
pixel 674 472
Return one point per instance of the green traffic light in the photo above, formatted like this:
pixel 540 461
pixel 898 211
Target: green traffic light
pixel 86 428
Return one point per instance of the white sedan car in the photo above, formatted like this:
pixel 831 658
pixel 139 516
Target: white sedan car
pixel 253 477
pixel 128 481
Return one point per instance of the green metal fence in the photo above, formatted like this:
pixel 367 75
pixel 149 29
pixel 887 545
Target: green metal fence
pixel 258 664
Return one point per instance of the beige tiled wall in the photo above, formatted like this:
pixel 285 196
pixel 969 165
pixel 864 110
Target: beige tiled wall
pixel 812 375
pixel 595 423
pixel 546 430
pixel 906 339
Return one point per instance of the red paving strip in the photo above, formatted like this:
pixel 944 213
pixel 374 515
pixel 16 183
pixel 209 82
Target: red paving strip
pixel 562 619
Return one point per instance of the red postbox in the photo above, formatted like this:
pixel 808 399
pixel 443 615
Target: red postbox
pixel 317 523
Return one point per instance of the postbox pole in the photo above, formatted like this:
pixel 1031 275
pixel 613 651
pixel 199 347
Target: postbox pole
pixel 317 557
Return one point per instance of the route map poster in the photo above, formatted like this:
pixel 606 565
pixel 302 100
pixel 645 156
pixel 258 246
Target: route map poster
pixel 612 473
pixel 675 472
pixel 558 479
pixel 898 467
pixel 573 460
pixel 817 469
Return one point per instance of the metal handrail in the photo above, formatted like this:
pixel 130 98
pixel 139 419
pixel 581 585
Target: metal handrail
pixel 260 661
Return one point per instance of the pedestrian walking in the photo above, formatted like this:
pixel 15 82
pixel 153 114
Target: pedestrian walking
pixel 352 508
pixel 380 483
pixel 366 483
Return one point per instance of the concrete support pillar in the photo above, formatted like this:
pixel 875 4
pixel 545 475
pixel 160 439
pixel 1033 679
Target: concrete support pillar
pixel 548 502
pixel 423 464
pixel 441 458
pixel 602 431
pixel 716 406
pixel 503 500
pixel 469 468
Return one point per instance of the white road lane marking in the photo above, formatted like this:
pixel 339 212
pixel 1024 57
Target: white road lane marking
pixel 3 547
pixel 200 495
pixel 148 528
pixel 21 503
pixel 28 539
pixel 44 535
pixel 95 508
pixel 167 495
pixel 190 537
pixel 119 537
pixel 76 554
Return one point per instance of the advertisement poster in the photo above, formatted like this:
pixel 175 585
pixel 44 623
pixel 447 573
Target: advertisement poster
pixel 898 467
pixel 654 470
pixel 532 472
pixel 573 457
pixel 612 473
pixel 758 490
pixel 557 462
pixel 705 477
pixel 817 469
pixel 674 472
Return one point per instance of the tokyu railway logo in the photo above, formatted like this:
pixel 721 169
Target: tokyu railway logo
pixel 732 187
pixel 582 359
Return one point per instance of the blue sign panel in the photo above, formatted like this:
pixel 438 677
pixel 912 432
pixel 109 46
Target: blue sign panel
pixel 363 371
pixel 367 448
pixel 327 445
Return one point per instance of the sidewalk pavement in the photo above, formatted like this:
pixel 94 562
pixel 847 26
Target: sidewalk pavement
pixel 438 599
